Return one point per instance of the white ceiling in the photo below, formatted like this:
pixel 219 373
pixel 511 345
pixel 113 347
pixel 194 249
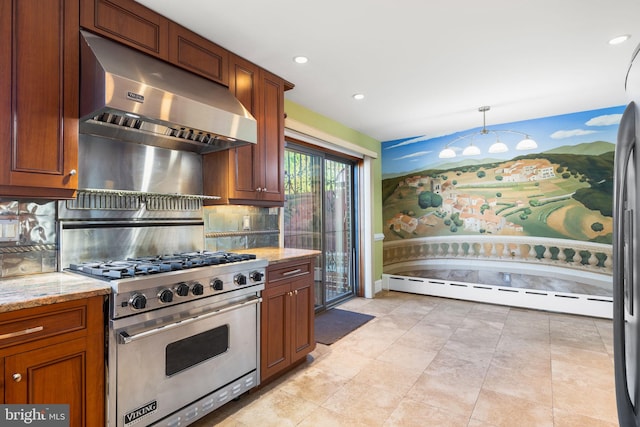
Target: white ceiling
pixel 425 66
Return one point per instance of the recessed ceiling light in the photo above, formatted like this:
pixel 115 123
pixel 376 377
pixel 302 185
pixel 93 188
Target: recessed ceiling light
pixel 301 59
pixel 358 96
pixel 620 39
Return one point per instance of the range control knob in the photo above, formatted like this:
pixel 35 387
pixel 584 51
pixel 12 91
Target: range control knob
pixel 138 301
pixel 240 279
pixel 182 289
pixel 165 296
pixel 197 289
pixel 256 276
pixel 216 284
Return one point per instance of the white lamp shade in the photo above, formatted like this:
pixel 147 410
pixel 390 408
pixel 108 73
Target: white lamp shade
pixel 447 153
pixel 498 147
pixel 471 150
pixel 526 144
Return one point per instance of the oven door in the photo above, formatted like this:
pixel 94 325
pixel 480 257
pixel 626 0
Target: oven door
pixel 165 363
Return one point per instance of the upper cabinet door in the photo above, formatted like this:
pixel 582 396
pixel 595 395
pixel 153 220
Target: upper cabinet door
pixel 39 82
pixel 129 23
pixel 252 174
pixel 198 55
pixel 245 167
pixel 271 131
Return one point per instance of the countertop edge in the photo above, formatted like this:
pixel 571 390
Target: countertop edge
pixel 37 290
pixel 278 255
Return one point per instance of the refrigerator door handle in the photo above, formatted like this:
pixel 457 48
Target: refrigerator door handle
pixel 623 255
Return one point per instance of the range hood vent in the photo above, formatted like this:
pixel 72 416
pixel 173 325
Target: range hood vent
pixel 129 96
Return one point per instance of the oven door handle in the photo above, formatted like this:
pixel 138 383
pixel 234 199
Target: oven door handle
pixel 126 338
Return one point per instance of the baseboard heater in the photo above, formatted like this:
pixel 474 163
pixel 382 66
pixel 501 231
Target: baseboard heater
pixel 561 302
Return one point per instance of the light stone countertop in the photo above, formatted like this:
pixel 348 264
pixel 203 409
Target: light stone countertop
pixel 35 290
pixel 49 288
pixel 276 255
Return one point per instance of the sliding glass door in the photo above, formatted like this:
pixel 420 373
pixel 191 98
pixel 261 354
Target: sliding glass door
pixel 338 230
pixel 319 214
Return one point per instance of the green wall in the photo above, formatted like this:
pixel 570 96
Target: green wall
pixel 325 124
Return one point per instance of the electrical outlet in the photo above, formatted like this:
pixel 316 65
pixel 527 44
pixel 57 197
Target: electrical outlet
pixel 246 222
pixel 9 230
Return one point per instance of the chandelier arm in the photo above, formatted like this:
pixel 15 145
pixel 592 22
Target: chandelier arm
pixel 512 131
pixel 465 136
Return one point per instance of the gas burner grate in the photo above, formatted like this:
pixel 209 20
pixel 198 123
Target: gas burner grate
pixel 147 265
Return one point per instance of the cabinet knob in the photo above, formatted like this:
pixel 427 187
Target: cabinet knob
pixel 17 377
pixel 73 172
pixel 258 189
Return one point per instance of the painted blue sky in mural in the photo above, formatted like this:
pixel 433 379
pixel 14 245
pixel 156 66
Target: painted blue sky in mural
pixel 417 153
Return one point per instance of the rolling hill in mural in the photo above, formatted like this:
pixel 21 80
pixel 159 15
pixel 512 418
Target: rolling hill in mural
pixel 564 190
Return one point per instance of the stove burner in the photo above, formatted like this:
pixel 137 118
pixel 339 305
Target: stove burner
pixel 157 264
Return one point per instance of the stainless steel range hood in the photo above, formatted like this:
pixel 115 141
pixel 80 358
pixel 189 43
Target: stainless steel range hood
pixel 129 96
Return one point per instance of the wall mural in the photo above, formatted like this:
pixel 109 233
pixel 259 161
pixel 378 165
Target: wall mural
pixel 560 190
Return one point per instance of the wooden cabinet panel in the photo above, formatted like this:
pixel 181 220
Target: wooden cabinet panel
pixel 129 23
pixel 244 176
pixel 65 368
pixel 232 174
pixel 2 380
pixel 252 174
pixel 197 54
pixel 303 335
pixel 35 327
pixel 275 345
pixel 271 131
pixel 287 320
pixel 39 79
pixel 53 374
pixel 6 34
pixel 288 271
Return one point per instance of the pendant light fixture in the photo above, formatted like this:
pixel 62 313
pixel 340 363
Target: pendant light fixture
pixel 497 147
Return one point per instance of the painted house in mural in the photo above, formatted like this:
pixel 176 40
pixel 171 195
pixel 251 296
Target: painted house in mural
pixel 552 203
pixel 525 171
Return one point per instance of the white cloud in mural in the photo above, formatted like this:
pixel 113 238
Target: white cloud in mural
pixel 408 142
pixel 561 134
pixel 605 120
pixel 413 155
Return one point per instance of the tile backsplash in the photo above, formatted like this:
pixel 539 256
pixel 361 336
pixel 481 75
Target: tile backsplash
pixel 241 227
pixel 27 237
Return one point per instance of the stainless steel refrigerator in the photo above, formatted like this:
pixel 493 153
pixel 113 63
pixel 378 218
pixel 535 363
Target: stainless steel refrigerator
pixel 626 254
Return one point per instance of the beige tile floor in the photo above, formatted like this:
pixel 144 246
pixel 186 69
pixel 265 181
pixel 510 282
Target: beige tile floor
pixel 427 361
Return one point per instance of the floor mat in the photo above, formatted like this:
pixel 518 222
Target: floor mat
pixel 334 324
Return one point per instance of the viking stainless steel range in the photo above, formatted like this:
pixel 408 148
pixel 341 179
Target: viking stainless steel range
pixel 182 335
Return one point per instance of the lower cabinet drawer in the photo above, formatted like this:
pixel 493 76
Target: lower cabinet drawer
pixel 34 327
pixel 288 270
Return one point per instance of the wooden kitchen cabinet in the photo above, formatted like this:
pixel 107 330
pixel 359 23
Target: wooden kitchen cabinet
pixel 39 83
pixel 271 146
pixel 287 317
pixel 134 25
pixel 198 55
pixel 252 174
pixel 129 23
pixel 54 354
